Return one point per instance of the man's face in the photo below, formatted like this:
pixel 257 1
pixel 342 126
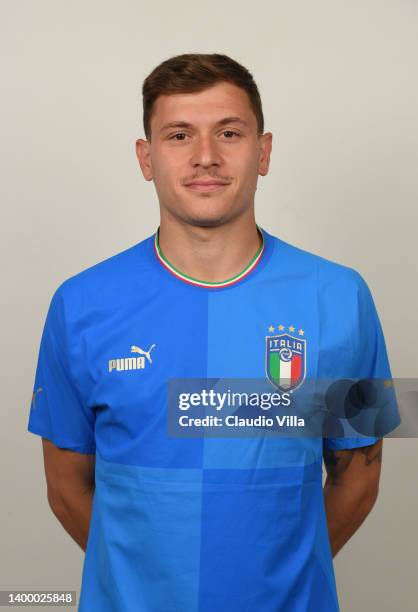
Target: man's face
pixel 205 154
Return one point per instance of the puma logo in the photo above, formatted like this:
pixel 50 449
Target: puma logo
pixel 136 349
pixel 34 394
pixel 131 363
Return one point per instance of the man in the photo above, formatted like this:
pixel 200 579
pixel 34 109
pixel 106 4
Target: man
pixel 200 523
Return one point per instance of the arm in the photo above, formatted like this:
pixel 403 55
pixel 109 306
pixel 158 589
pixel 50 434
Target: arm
pixel 350 490
pixel 70 486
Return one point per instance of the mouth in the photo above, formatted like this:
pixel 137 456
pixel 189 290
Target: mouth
pixel 206 186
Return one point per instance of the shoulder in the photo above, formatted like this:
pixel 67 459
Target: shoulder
pixel 328 274
pixel 105 281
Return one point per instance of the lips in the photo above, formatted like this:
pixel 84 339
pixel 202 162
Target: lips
pixel 212 185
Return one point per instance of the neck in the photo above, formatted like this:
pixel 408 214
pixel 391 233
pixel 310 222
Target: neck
pixel 210 254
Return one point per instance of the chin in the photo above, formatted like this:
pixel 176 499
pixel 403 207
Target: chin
pixel 203 214
pixel 205 221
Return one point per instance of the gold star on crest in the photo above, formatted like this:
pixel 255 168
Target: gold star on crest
pixel 301 332
pixel 281 327
pixel 271 328
pixel 291 328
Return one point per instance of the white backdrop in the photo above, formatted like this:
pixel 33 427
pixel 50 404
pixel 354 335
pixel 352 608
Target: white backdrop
pixel 340 94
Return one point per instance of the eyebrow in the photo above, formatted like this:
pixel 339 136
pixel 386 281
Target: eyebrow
pixel 185 124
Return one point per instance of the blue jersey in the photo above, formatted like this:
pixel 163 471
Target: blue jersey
pixel 198 524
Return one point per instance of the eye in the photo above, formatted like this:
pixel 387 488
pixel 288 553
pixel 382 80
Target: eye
pixel 174 136
pixel 230 132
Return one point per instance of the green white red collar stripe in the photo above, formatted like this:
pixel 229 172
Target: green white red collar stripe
pixel 194 281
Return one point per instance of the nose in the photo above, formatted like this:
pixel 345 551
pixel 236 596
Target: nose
pixel 205 152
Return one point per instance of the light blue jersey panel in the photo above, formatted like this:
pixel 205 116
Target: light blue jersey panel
pixel 203 523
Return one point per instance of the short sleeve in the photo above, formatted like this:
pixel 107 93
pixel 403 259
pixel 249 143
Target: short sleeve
pixel 369 361
pixel 57 411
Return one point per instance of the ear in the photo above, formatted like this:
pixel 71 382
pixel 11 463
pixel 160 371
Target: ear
pixel 266 142
pixel 143 153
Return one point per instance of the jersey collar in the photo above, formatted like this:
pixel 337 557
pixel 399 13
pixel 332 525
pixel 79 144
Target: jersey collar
pixel 194 281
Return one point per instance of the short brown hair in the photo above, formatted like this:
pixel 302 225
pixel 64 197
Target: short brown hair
pixel 193 72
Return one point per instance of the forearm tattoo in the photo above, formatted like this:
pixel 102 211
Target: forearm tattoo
pixel 372 453
pixel 337 462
